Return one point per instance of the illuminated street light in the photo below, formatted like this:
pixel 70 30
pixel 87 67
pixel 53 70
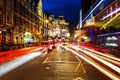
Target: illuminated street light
pixel 4 29
pixel 46 21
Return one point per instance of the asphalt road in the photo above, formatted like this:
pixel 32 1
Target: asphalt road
pixel 57 64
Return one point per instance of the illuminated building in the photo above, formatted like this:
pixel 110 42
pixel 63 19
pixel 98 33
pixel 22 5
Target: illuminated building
pixel 28 22
pixel 108 22
pixel 104 20
pixel 63 25
pixel 20 22
pixel 6 22
pixel 41 21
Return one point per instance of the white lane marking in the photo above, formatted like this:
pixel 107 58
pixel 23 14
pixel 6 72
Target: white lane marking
pixel 60 59
pixel 45 60
pixel 62 62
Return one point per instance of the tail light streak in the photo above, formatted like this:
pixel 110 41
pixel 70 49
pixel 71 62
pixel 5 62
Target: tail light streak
pixel 110 75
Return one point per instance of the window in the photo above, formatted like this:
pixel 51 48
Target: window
pixel 1 16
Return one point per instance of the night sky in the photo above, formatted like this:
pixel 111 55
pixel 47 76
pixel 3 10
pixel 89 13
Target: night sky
pixel 70 9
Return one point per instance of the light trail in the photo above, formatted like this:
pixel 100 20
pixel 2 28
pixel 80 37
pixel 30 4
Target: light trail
pixel 13 54
pixel 112 66
pixel 109 21
pixel 117 10
pixel 92 10
pixel 9 66
pixel 110 75
pixel 109 34
pixel 114 58
pixel 108 59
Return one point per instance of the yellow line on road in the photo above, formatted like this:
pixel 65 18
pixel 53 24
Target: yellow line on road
pixel 77 67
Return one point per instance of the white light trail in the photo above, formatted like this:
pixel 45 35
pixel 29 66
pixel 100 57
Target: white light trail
pixel 110 21
pixel 117 10
pixel 109 34
pixel 110 75
pixel 92 10
pixel 9 66
pixel 114 58
pixel 112 66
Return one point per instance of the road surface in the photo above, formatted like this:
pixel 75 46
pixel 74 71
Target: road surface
pixel 59 64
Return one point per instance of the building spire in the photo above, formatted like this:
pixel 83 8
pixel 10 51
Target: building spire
pixel 40 8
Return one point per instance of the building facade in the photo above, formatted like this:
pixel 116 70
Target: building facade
pixel 103 26
pixel 6 21
pixel 108 22
pixel 20 22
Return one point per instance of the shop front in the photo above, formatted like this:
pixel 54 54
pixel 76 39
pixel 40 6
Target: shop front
pixel 28 37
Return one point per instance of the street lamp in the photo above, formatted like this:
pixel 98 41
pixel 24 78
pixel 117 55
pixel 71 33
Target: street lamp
pixel 46 21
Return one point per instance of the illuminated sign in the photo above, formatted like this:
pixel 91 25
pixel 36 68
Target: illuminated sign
pixel 90 21
pixel 112 38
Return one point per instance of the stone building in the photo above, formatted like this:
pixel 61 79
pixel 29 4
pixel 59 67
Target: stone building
pixel 20 22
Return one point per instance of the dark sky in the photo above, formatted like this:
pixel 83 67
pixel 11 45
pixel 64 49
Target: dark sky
pixel 68 8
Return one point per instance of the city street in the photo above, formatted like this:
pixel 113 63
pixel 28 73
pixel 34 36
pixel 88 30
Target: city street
pixel 58 64
pixel 59 40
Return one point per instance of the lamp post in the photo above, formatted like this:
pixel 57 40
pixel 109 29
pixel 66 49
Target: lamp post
pixel 46 29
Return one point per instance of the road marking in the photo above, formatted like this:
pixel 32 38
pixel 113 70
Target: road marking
pixel 103 70
pixel 45 53
pixel 78 78
pixel 78 58
pixel 45 60
pixel 77 68
pixel 83 68
pixel 62 62
pixel 81 64
pixel 47 68
pixel 60 59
